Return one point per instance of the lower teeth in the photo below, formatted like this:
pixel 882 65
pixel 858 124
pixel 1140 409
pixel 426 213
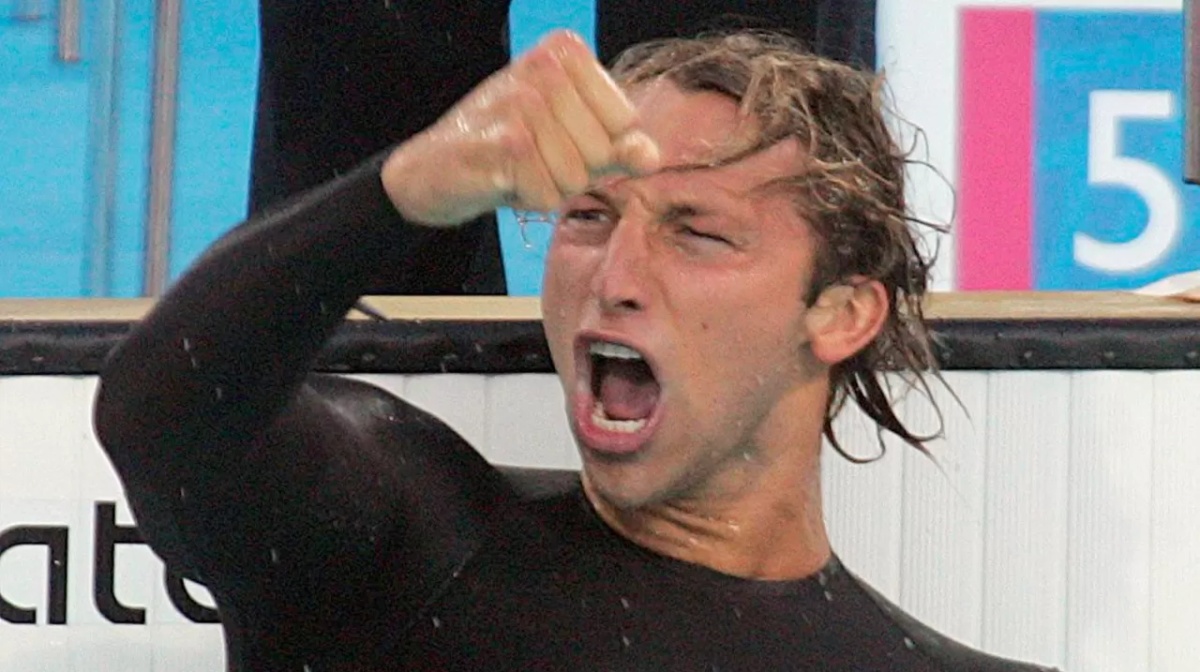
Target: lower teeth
pixel 623 426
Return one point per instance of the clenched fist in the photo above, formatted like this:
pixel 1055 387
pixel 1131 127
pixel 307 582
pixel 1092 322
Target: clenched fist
pixel 529 136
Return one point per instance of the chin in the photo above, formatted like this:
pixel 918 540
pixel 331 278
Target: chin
pixel 621 486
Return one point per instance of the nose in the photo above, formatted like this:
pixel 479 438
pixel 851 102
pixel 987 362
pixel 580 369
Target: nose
pixel 621 283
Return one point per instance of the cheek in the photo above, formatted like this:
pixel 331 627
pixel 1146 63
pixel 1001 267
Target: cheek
pixel 742 345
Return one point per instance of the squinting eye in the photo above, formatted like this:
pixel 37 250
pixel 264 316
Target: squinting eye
pixel 585 216
pixel 705 236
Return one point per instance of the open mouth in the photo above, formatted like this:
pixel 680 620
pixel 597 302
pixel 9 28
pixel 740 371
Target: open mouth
pixel 624 394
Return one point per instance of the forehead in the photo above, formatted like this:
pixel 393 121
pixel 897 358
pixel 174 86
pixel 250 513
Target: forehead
pixel 697 128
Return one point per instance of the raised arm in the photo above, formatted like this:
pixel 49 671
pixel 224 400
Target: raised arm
pixel 208 410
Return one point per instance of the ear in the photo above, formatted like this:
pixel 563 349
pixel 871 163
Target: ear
pixel 845 319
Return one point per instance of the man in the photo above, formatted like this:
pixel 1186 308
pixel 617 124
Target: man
pixel 731 260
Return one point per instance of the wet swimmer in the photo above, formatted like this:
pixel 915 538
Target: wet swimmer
pixel 731 261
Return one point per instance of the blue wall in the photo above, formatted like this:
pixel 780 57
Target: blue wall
pixel 54 118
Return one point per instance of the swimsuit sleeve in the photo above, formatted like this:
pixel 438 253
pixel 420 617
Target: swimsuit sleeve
pixel 276 488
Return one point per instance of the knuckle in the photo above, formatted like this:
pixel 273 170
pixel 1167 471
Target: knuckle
pixel 565 43
pixel 516 140
pixel 541 62
pixel 527 100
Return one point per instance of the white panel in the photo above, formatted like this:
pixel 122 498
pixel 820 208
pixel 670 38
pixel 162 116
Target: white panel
pixel 100 648
pixel 458 399
pixel 27 648
pixel 941 560
pixel 1027 421
pixel 185 648
pixel 527 422
pixel 1084 499
pixel 1112 423
pixel 44 420
pixel 1175 541
pixel 862 502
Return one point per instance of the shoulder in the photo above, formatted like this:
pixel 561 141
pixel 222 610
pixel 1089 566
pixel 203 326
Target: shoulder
pixel 952 656
pixel 365 407
pixel 404 441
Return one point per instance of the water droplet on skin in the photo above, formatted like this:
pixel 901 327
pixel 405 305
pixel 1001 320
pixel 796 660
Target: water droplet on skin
pixel 909 644
pixel 437 622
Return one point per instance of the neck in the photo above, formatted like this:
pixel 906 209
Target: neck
pixel 764 522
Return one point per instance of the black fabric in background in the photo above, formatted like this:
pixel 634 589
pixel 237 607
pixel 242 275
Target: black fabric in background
pixel 339 82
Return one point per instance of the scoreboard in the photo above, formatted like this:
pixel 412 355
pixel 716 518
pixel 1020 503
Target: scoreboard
pixel 1070 149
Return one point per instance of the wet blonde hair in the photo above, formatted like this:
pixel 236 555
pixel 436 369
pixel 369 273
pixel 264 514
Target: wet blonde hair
pixel 850 189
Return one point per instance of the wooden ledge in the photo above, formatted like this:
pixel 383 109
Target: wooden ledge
pixel 942 306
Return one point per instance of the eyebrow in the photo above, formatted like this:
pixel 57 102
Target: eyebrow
pixel 683 211
pixel 675 210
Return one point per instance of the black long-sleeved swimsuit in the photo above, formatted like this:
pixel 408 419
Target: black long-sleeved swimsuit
pixel 339 528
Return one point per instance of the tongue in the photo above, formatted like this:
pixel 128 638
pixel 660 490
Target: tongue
pixel 627 390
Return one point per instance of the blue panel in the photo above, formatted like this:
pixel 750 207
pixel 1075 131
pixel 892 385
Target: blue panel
pixel 524 255
pixel 43 141
pixel 218 79
pixel 1079 52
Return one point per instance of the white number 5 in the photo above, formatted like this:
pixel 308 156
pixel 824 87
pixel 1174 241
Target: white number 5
pixel 1107 167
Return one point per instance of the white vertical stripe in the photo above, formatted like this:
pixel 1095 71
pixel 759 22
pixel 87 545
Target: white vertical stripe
pixel 941 560
pixel 1025 543
pixel 1112 424
pixel 862 502
pixel 1175 540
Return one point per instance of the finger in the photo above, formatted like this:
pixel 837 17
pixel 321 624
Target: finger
pixel 533 186
pixel 597 89
pixel 535 190
pixel 557 151
pixel 588 135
